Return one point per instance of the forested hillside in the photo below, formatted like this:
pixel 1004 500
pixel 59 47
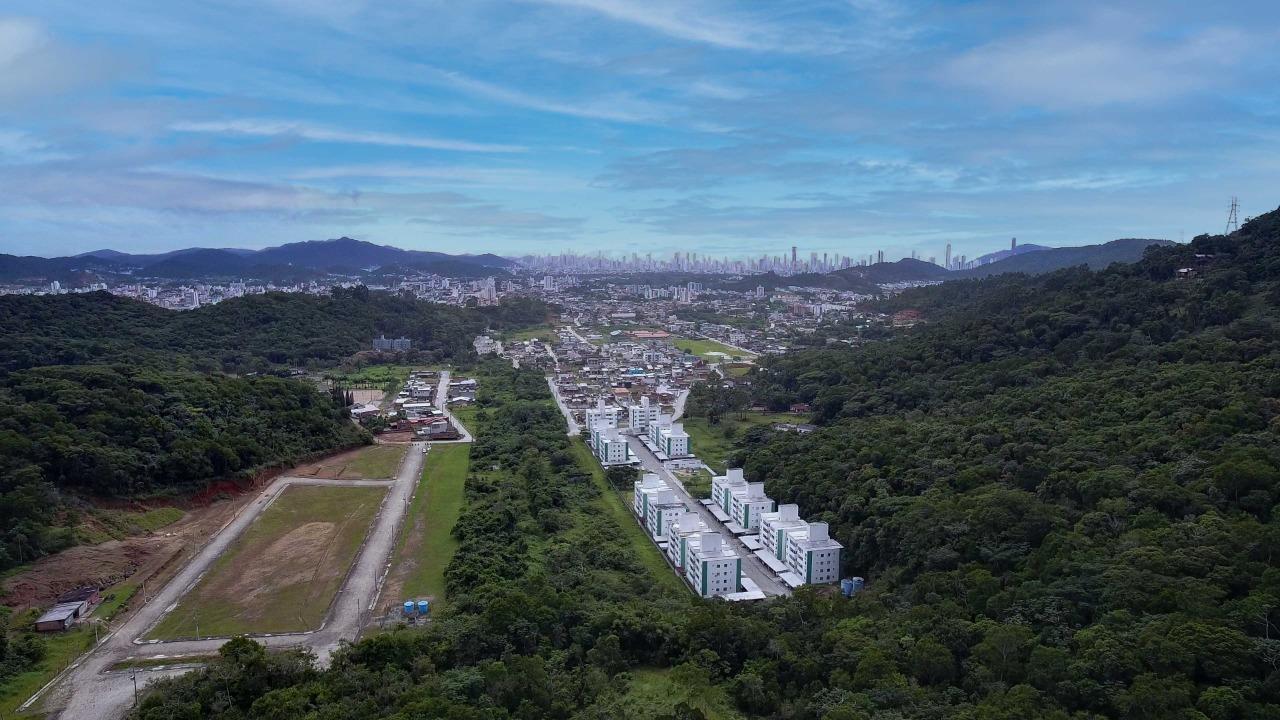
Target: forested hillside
pixel 112 431
pixel 105 397
pixel 1063 489
pixel 252 333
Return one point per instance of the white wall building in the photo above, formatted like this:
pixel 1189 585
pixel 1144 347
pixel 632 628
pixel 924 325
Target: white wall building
pixel 609 446
pixel 641 415
pixel 722 487
pixel 712 567
pixel 747 504
pixel 648 488
pixel 601 413
pixel 813 555
pixel 669 438
pixel 684 530
pixel 664 510
pixel 775 526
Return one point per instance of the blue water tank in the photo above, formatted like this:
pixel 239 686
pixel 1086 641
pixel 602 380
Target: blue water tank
pixel 858 584
pixel 846 587
pixel 423 606
pixel 408 607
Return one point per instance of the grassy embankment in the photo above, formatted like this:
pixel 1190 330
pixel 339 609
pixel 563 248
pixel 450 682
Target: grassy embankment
pixel 282 573
pixel 714 443
pixel 426 543
pixel 615 505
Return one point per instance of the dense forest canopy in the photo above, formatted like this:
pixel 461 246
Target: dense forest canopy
pixel 252 333
pixel 103 396
pixel 1082 468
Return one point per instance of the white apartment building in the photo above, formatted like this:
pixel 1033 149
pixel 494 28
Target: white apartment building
pixel 664 509
pixel 775 526
pixel 686 527
pixel 712 567
pixel 813 555
pixel 609 446
pixel 747 504
pixel 648 488
pixel 641 415
pixel 601 414
pixel 669 438
pixel 722 487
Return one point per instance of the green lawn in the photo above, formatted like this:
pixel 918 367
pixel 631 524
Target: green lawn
pixel 282 572
pixel 611 501
pixel 544 332
pixel 714 443
pixel 377 462
pixel 426 543
pixel 103 525
pixel 708 349
pixel 61 649
pixel 655 692
pixel 466 414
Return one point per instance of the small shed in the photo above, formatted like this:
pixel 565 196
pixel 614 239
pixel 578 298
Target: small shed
pixel 59 617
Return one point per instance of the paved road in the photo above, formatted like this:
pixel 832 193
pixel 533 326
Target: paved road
pixel 442 402
pixel 677 410
pixel 574 428
pixel 89 691
pixel 752 567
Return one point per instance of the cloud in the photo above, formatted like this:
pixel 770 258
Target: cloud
pixel 33 64
pixel 616 107
pixel 1092 66
pixel 681 20
pixel 92 190
pixel 318 133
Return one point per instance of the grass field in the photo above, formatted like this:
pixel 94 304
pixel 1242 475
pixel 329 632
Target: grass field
pixel 282 572
pixel 709 349
pixel 714 443
pixel 611 502
pixel 426 544
pixel 377 461
pixel 655 692
pixel 544 332
pixel 61 649
pixel 100 526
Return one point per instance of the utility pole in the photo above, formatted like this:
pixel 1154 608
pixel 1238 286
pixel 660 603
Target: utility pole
pixel 135 688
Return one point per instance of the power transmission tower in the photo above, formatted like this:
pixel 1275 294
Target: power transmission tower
pixel 1233 216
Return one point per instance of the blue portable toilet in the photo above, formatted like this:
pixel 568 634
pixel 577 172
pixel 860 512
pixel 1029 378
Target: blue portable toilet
pixel 408 607
pixel 423 607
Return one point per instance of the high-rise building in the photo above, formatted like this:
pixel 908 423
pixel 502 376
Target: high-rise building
pixel 947 262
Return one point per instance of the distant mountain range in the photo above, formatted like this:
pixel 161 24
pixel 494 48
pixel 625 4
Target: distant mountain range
pixel 291 262
pixel 1044 259
pixel 1029 259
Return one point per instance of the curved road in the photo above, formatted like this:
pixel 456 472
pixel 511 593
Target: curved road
pixel 89 690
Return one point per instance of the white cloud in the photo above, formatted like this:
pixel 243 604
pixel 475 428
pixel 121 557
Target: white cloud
pixel 33 64
pixel 1091 66
pixel 616 107
pixel 681 20
pixel 318 133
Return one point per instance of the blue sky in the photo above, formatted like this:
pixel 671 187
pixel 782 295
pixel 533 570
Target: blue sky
pixel 533 126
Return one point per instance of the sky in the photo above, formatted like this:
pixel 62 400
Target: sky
pixel 619 126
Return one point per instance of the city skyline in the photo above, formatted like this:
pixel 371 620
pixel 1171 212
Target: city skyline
pixel 550 126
